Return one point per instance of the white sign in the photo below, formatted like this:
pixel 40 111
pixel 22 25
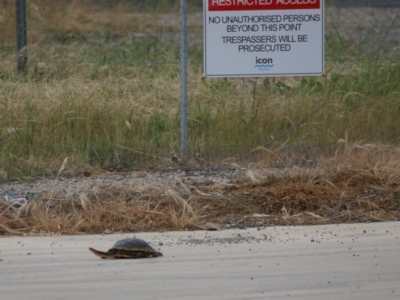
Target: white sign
pixel 255 38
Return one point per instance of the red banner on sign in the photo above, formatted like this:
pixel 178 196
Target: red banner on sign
pixel 239 5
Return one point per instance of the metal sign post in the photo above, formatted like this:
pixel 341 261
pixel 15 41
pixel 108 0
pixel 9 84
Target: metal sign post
pixel 183 82
pixel 20 12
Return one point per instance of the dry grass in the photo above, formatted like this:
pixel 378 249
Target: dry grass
pixel 85 17
pixel 102 88
pixel 358 183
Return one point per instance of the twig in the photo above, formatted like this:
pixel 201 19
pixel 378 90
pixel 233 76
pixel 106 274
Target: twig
pixel 55 180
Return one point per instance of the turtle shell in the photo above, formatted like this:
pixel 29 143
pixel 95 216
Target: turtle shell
pixel 133 244
pixel 128 248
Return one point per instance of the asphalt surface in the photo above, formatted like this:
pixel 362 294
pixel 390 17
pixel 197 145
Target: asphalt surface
pixel 348 261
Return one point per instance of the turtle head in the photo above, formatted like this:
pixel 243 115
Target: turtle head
pixel 159 254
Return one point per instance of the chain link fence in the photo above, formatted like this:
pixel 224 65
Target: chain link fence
pixel 361 29
pixel 74 36
pixel 365 28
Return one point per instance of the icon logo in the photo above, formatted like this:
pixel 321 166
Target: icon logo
pixel 264 64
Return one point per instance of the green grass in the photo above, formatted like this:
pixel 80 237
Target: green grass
pixel 102 95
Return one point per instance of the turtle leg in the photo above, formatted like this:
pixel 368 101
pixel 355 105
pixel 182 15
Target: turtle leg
pixel 134 254
pixel 149 254
pixel 109 254
pixel 126 254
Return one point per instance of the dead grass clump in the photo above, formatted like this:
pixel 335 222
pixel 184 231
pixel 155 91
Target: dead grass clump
pixel 361 182
pixel 113 210
pixel 10 223
pixel 336 189
pixel 362 156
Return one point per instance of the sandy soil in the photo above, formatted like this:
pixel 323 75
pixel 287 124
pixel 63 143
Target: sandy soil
pixel 348 261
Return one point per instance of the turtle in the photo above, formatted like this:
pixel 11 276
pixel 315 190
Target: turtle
pixel 128 248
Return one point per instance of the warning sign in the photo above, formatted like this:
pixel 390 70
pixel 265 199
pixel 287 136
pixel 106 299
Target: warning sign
pixel 258 38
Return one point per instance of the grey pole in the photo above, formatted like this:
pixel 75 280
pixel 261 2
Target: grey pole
pixel 20 12
pixel 183 82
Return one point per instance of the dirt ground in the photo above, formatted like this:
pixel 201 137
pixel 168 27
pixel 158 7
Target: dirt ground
pixel 132 199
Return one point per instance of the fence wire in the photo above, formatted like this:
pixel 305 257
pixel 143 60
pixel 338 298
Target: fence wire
pixel 356 29
pixel 74 36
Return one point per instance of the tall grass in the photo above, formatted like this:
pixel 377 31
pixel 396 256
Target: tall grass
pixel 102 87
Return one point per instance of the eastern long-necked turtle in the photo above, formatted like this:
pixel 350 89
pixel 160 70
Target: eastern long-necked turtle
pixel 128 248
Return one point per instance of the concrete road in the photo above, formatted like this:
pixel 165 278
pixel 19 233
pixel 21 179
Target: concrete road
pixel 350 261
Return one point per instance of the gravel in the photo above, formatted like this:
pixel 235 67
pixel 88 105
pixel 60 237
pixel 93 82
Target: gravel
pixel 17 193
